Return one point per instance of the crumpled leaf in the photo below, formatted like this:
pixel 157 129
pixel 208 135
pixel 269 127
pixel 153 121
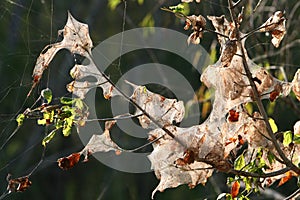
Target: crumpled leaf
pixel 288 176
pixel 163 110
pixel 19 184
pixel 76 40
pixel 229 50
pixel 198 24
pixel 235 188
pixel 69 162
pixel 296 84
pixel 222 26
pixel 101 143
pixel 276 26
pixel 167 156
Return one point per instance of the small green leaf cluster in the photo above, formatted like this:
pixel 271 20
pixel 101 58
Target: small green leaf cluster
pixel 61 116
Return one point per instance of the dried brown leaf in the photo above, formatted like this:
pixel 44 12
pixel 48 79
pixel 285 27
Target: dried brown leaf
pixel 69 162
pixel 76 40
pixel 163 110
pixel 296 84
pixel 276 26
pixel 19 184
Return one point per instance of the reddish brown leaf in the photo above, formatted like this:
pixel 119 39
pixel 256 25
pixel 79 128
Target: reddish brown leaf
pixel 286 178
pixel 273 95
pixel 235 188
pixel 66 163
pixel 18 184
pixel 241 141
pixel 233 116
pixel 188 158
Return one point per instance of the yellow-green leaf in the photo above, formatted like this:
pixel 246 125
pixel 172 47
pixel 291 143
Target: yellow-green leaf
pixel 41 121
pixel 49 137
pixel 67 100
pixel 20 118
pixel 67 126
pixel 47 95
pixel 273 125
pixel 287 138
pixel 239 163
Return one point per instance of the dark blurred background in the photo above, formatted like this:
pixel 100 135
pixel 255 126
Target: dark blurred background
pixel 26 26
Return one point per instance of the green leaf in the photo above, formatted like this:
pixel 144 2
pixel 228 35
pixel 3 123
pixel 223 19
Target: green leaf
pixel 47 95
pixel 112 4
pixel 271 157
pixel 297 139
pixel 67 126
pixel 67 100
pixel 41 121
pixel 178 8
pixel 79 104
pixel 49 137
pixel 239 163
pixel 273 125
pixel 20 119
pixel 287 138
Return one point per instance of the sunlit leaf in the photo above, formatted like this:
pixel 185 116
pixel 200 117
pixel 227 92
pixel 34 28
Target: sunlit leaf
pixel 178 8
pixel 287 138
pixel 67 100
pixel 286 178
pixel 69 162
pixel 41 121
pixel 47 95
pixel 67 128
pixel 297 139
pixel 235 188
pixel 273 125
pixel 20 119
pixel 49 137
pixel 239 163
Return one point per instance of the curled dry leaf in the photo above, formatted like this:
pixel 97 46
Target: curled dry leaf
pixel 296 84
pixel 228 51
pixel 69 162
pixel 101 143
pixel 276 26
pixel 165 111
pixel 18 184
pixel 76 40
pixel 198 24
pixel 222 26
pixel 235 188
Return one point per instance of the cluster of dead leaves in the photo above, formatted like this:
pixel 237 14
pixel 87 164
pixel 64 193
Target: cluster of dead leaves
pixel 203 147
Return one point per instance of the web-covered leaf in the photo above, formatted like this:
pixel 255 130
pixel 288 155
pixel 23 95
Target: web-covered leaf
pixel 75 38
pixel 276 26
